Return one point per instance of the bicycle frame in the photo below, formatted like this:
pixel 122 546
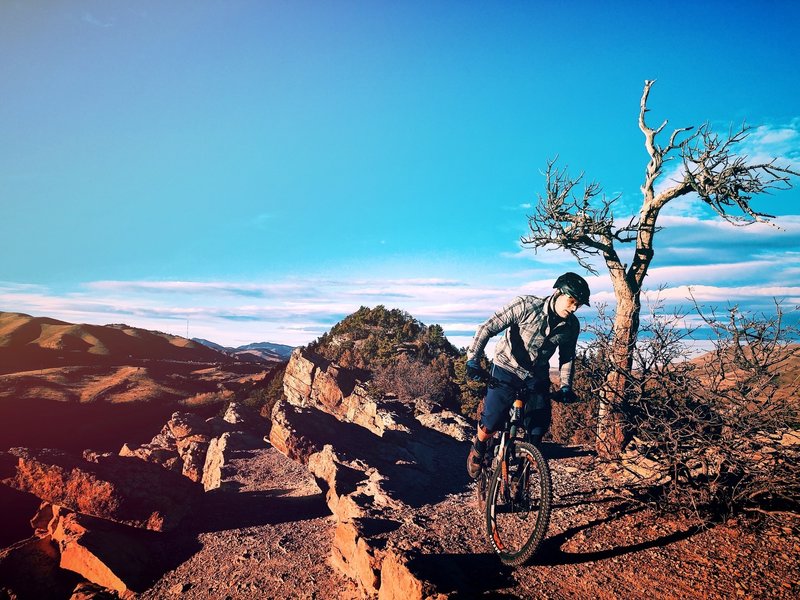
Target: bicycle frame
pixel 504 486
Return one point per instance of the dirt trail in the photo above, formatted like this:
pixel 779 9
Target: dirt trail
pixel 272 538
pixel 267 539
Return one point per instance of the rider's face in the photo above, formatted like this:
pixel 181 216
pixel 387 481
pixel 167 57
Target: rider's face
pixel 566 305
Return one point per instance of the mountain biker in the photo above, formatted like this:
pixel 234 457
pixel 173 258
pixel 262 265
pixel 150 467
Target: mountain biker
pixel 534 328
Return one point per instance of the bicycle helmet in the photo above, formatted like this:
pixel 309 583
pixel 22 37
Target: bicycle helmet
pixel 573 285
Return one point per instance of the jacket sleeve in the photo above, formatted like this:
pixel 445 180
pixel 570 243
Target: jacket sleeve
pixel 566 354
pixel 502 319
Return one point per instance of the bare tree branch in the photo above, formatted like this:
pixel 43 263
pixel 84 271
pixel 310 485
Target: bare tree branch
pixel 725 180
pixel 579 221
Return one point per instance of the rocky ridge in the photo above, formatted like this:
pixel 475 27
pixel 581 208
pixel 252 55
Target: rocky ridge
pixel 377 464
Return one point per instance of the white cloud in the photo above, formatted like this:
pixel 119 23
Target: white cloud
pixel 710 293
pixel 722 263
pixel 781 142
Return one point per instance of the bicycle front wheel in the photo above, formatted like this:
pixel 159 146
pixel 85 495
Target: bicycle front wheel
pixel 518 503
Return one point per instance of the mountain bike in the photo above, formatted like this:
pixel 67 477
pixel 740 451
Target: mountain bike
pixel 514 487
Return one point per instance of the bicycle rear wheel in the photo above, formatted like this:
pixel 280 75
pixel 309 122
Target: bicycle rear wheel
pixel 518 504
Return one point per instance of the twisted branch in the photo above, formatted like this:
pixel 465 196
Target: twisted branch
pixel 725 180
pixel 578 221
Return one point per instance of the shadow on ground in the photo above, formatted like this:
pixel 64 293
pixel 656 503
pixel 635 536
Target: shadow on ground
pixel 553 451
pixel 465 575
pixel 551 554
pixel 220 511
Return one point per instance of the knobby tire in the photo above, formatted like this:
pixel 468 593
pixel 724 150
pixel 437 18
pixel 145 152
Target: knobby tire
pixel 517 516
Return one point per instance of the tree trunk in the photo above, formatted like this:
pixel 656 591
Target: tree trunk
pixel 613 397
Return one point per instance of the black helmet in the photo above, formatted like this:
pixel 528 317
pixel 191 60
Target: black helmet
pixel 575 286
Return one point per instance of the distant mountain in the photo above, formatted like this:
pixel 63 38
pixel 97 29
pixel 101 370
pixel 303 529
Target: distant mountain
pixel 268 348
pixel 209 344
pixel 256 352
pixel 24 336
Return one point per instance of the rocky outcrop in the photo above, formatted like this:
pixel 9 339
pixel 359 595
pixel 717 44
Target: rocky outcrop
pixel 114 560
pixel 449 423
pixel 102 552
pixel 311 380
pixel 30 569
pixel 399 581
pixel 117 488
pixel 195 447
pixel 375 461
pixel 215 462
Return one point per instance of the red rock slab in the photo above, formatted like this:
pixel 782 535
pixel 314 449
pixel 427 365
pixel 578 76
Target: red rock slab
pixel 118 488
pixel 104 553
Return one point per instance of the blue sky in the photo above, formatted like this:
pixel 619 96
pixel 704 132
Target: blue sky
pixel 261 169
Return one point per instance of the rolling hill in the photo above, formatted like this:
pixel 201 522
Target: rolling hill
pixel 23 336
pixel 65 385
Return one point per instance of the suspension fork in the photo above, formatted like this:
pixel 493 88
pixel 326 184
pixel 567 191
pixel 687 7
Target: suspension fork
pixel 516 419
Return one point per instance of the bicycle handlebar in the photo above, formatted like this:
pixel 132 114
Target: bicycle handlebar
pixel 485 377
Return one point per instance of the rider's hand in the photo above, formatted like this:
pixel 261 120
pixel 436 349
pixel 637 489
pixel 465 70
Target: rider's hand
pixel 474 370
pixel 567 396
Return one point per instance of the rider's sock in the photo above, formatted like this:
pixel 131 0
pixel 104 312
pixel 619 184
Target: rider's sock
pixel 479 445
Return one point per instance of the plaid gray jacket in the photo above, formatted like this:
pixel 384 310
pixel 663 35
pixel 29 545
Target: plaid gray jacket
pixel 532 333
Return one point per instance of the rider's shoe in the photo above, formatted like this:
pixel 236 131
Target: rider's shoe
pixel 474 462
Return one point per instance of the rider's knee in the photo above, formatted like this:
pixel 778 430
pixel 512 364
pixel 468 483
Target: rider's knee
pixel 484 432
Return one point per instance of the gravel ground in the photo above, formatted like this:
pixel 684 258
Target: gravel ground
pixel 271 538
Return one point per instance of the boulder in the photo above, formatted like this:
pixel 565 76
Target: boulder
pixel 242 416
pixel 194 459
pixel 183 425
pixel 295 431
pixel 215 462
pixel 102 552
pixel 161 450
pixel 165 457
pixel 118 488
pixel 448 423
pixel 165 439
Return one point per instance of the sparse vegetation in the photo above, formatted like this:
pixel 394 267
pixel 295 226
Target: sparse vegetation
pixel 404 356
pixel 374 337
pixel 718 435
pixel 264 397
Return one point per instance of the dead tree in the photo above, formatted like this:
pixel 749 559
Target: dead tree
pixel 582 222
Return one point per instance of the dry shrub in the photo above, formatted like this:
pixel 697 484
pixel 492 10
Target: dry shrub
pixel 427 385
pixel 719 434
pixel 577 423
